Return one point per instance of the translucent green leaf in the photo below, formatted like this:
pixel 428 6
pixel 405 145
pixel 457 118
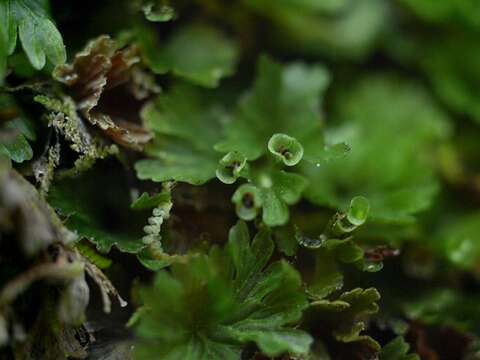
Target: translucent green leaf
pixel 158 11
pixel 23 125
pixel 362 301
pixel 283 100
pixel 230 167
pixel 87 227
pixel 397 349
pixel 449 66
pixel 286 189
pixel 197 53
pixel 248 259
pixel 86 211
pixel 15 131
pixel 248 201
pixel 446 11
pixel 186 124
pixel 151 263
pixel 288 186
pixel 270 342
pixel 39 37
pixel 326 278
pixel 17 148
pixel 358 211
pixel 285 241
pixel 344 316
pixel 213 306
pixel 3 42
pixel 93 256
pixel 334 246
pixel 344 250
pixel 458 241
pixel 146 201
pixel 8 36
pixel 394 172
pixel 177 163
pixel 286 148
pixel 446 307
pixel 275 211
pixel 337 28
pixel 275 191
pixel 452 71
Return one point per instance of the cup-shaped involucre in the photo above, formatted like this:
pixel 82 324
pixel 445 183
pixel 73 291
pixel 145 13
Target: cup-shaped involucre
pixel 248 201
pixel 286 148
pixel 230 167
pixel 358 211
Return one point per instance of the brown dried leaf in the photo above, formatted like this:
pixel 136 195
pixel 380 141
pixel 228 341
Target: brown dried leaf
pixel 95 70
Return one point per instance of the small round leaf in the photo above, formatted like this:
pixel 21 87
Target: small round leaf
pixel 286 148
pixel 230 167
pixel 358 211
pixel 248 201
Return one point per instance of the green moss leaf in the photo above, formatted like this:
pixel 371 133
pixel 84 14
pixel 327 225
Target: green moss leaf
pixel 213 306
pixel 186 124
pixel 458 242
pixel 358 211
pixel 87 227
pixel 87 212
pixel 446 11
pixel 283 100
pixel 452 71
pixel 16 148
pixel 7 36
pixel 392 171
pixel 446 307
pixel 248 201
pixel 336 246
pixel 286 148
pixel 275 211
pixel 286 189
pixel 337 28
pixel 39 37
pixel 146 201
pixel 230 167
pixel 397 349
pixel 15 132
pixel 273 194
pixel 197 53
pixel 158 11
pixel 344 316
pixel 326 277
